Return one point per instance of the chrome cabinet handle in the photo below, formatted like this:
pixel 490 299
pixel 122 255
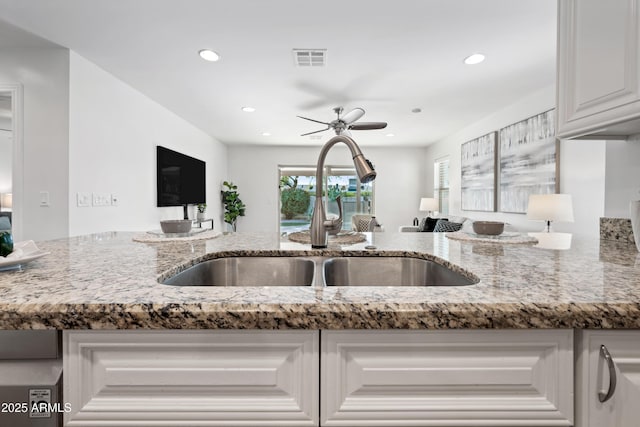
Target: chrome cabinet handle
pixel 602 396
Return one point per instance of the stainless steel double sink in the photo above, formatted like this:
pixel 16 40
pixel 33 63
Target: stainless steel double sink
pixel 319 271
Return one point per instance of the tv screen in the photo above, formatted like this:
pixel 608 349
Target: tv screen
pixel 181 179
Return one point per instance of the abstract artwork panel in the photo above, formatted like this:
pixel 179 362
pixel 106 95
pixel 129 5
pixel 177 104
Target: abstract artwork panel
pixel 478 173
pixel 528 161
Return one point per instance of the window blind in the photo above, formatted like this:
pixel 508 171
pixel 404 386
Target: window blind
pixel 441 184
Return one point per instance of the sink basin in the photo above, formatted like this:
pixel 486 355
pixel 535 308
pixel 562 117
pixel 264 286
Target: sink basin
pixel 389 271
pixel 247 271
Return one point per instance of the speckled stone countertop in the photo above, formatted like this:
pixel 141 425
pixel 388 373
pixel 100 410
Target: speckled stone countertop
pixel 107 281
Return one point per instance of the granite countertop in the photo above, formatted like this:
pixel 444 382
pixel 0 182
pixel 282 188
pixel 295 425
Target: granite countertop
pixel 108 281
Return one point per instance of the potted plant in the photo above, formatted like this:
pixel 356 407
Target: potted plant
pixel 6 243
pixel 233 206
pixel 294 200
pixel 202 208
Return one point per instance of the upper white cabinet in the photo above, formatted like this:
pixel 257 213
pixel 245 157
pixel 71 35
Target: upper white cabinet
pixel 447 378
pixel 598 68
pixel 608 391
pixel 191 378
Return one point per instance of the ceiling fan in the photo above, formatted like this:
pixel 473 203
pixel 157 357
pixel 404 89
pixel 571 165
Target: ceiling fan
pixel 346 122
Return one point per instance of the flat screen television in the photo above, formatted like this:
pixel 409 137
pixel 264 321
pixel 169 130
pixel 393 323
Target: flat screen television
pixel 181 179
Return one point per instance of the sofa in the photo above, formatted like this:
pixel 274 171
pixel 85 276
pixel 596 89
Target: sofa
pixel 467 225
pixel 5 221
pixel 430 223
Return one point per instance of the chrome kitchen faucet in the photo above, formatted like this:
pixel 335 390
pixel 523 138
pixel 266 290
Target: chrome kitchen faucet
pixel 320 225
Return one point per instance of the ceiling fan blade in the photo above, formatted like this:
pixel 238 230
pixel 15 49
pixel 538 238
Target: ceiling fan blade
pixel 311 120
pixel 317 131
pixel 312 105
pixel 368 126
pixel 352 115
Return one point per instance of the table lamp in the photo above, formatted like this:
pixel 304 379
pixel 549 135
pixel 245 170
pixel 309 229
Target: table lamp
pixel 549 208
pixel 6 201
pixel 428 204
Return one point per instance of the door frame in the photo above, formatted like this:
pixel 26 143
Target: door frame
pixel 17 173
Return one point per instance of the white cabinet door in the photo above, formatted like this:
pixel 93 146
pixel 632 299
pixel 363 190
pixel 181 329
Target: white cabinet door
pixel 447 378
pixel 593 378
pixel 180 378
pixel 598 66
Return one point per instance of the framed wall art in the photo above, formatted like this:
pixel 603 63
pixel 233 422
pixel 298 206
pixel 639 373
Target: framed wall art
pixel 528 161
pixel 478 170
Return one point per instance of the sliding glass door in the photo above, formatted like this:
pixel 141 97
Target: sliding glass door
pixel 296 207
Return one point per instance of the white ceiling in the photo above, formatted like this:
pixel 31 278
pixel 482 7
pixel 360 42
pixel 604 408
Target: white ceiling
pixel 386 57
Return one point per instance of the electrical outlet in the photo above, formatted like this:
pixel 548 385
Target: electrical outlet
pixel 114 199
pixel 101 199
pixel 83 199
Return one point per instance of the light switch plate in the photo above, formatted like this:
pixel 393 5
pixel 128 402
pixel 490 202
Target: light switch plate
pixel 83 199
pixel 44 198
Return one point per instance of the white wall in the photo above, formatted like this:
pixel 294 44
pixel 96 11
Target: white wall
pixel 398 186
pixel 582 174
pixel 6 155
pixel 114 130
pixel 582 168
pixel 44 76
pixel 623 176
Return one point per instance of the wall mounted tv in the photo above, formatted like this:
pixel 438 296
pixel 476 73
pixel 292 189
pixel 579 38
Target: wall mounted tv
pixel 181 179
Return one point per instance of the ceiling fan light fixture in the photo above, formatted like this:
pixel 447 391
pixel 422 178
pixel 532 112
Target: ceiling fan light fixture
pixel 248 109
pixel 343 124
pixel 474 59
pixel 209 55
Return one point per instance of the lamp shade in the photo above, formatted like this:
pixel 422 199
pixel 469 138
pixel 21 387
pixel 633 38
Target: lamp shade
pixel 550 207
pixel 6 200
pixel 428 204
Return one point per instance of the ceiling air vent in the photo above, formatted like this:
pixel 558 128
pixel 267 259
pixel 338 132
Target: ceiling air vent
pixel 310 57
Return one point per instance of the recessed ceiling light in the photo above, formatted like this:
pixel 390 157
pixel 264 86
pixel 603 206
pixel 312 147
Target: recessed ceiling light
pixel 389 135
pixel 209 55
pixel 476 58
pixel 266 134
pixel 248 109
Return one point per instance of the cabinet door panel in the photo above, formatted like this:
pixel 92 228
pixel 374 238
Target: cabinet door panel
pixel 598 65
pixel 205 378
pixel 454 378
pixel 622 410
pixel 603 70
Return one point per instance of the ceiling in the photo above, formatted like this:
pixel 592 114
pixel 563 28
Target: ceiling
pixel 386 57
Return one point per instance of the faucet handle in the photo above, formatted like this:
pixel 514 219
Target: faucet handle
pixel 334 226
pixel 339 201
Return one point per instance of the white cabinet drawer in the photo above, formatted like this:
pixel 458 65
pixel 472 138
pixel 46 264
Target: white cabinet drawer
pixel 447 378
pixel 179 378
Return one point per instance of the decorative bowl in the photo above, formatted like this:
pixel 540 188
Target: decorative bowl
pixel 175 226
pixel 489 228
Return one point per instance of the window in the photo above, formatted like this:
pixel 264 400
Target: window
pixel 295 211
pixel 441 184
